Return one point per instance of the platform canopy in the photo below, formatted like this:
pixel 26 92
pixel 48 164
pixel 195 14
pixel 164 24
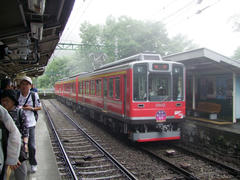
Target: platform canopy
pixel 29 33
pixel 204 60
pixel 200 62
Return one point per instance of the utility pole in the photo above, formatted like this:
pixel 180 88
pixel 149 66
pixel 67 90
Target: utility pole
pixel 116 48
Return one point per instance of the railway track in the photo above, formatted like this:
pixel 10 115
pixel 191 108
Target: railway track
pixel 231 170
pixel 182 164
pixel 138 162
pixel 190 164
pixel 81 156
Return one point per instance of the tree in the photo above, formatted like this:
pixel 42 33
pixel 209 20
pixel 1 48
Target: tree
pixel 236 22
pixel 56 69
pixel 90 35
pixel 236 27
pixel 124 37
pixel 236 55
pixel 179 43
pixel 116 39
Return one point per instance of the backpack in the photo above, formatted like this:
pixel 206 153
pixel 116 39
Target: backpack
pixel 33 99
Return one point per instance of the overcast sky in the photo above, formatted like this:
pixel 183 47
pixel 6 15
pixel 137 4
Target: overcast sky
pixel 212 28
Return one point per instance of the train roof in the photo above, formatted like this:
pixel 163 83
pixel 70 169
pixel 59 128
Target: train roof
pixel 137 57
pixel 75 75
pixel 121 65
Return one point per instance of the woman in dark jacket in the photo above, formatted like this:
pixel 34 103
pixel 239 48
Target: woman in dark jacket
pixel 9 101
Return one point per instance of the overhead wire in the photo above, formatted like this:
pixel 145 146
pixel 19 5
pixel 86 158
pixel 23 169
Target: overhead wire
pixel 72 20
pixel 78 19
pixel 194 13
pixel 178 11
pixel 169 18
pixel 72 23
pixel 163 9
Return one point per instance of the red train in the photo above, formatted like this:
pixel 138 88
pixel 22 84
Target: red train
pixel 141 96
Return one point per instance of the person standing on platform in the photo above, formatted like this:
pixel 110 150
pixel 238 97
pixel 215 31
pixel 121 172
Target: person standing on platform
pixel 5 84
pixel 10 102
pixel 30 103
pixel 9 145
pixel 33 89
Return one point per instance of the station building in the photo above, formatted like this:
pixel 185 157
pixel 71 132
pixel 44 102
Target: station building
pixel 212 84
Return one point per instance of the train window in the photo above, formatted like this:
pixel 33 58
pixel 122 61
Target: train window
pixel 159 86
pixel 80 87
pixel 68 88
pixel 110 87
pixel 117 88
pixel 73 87
pixel 99 87
pixel 93 87
pixel 140 82
pixel 84 87
pixel 105 87
pixel 87 87
pixel 178 85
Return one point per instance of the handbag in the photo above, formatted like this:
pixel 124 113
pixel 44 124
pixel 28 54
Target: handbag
pixel 23 156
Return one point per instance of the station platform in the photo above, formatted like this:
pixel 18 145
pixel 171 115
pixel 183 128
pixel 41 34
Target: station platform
pixel 47 166
pixel 220 135
pixel 216 124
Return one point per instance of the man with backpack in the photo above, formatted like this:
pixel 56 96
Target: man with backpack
pixel 29 101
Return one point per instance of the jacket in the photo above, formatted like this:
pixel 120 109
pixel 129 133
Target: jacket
pixel 14 137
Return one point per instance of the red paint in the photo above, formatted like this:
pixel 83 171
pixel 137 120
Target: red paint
pixel 114 105
pixel 159 139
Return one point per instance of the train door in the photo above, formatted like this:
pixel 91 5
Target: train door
pixel 105 92
pixel 124 88
pixel 84 91
pixel 76 89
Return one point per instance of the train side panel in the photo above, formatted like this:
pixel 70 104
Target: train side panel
pixel 110 96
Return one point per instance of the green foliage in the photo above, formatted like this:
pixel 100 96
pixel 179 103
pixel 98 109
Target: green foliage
pixel 124 37
pixel 236 55
pixel 235 22
pixel 179 43
pixel 56 69
pixel 116 39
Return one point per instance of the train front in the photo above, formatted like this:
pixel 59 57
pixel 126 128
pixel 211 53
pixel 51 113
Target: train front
pixel 157 102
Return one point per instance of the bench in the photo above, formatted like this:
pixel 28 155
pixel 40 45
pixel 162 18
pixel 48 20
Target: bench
pixel 208 107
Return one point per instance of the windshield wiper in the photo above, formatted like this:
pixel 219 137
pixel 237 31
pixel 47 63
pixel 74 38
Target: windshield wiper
pixel 165 98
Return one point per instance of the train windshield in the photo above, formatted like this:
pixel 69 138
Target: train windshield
pixel 158 86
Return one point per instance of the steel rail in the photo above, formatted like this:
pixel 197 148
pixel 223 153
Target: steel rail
pixel 127 173
pixel 71 169
pixel 175 168
pixel 229 169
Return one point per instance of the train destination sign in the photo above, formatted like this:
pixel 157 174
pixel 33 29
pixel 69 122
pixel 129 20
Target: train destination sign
pixel 158 66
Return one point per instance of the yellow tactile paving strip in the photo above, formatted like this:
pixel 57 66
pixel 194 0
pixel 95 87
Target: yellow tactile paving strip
pixel 209 121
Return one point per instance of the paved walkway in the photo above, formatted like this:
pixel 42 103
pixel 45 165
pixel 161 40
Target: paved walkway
pixel 47 167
